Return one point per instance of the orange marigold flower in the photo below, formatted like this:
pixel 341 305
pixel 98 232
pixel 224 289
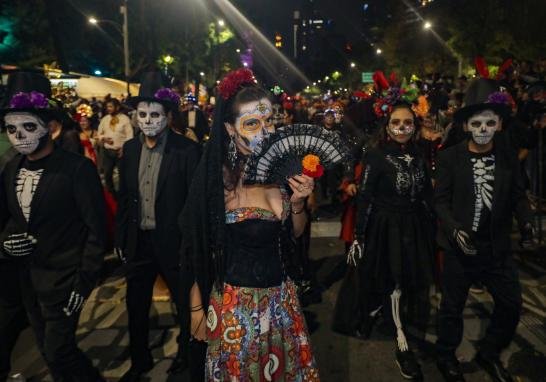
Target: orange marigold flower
pixel 310 162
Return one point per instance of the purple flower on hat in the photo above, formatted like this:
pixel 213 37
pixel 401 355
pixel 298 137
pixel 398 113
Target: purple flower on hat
pixel 32 100
pixel 166 94
pixel 499 97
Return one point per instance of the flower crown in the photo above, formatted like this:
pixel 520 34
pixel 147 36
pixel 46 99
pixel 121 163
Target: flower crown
pixel 32 100
pixel 233 81
pixel 84 110
pixel 391 95
pixel 167 94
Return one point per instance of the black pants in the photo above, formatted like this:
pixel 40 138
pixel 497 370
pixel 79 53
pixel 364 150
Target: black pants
pixel 501 279
pixel 56 337
pixel 141 275
pixel 13 318
pixel 110 160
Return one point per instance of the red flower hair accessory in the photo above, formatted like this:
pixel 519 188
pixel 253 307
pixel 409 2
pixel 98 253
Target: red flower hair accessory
pixel 233 81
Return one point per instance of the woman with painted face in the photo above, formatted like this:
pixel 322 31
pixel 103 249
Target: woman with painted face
pixel 478 189
pixel 240 243
pixel 391 259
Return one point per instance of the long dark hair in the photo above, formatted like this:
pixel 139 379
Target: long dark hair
pixel 252 93
pixel 381 136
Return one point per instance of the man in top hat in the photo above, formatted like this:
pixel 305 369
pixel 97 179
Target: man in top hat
pixel 52 226
pixel 155 174
pixel 478 188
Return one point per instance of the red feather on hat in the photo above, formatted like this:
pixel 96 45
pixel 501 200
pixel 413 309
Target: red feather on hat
pixel 481 67
pixel 380 81
pixel 503 68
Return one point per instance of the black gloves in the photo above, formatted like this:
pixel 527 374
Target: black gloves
pixel 527 237
pixel 19 244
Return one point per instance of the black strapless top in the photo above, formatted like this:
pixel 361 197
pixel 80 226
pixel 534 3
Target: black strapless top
pixel 252 251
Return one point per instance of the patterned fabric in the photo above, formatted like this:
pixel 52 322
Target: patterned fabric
pixel 258 334
pixel 238 215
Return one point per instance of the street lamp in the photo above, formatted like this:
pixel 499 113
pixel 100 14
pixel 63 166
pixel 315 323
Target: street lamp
pixel 124 30
pixel 221 23
pixel 427 25
pixel 202 74
pixel 353 64
pixel 378 51
pixel 238 50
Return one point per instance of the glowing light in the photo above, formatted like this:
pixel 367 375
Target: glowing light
pixel 221 23
pixel 97 72
pixel 202 74
pixel 238 50
pixel 93 20
pixel 168 59
pixel 378 51
pixel 353 64
pixel 427 25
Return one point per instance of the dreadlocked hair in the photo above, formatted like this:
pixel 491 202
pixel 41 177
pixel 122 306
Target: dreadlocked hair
pixel 249 93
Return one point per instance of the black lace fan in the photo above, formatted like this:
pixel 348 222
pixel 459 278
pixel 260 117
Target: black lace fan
pixel 280 154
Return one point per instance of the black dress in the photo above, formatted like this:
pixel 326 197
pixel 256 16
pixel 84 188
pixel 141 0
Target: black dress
pixel 395 224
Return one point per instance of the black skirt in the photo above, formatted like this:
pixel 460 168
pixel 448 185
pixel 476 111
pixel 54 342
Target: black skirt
pixel 399 251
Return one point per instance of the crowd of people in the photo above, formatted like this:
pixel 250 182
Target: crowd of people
pixel 438 169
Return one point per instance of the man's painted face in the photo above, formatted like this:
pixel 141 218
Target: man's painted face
pixel 278 116
pixel 401 125
pixel 151 118
pixel 483 126
pixel 25 131
pixel 254 122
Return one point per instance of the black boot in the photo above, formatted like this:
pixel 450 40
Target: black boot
pixel 494 367
pixel 450 370
pixel 408 365
pixel 135 373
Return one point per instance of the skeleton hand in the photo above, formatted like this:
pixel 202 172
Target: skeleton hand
pixel 121 256
pixel 527 237
pixel 19 244
pixel 356 249
pixel 75 303
pixel 464 242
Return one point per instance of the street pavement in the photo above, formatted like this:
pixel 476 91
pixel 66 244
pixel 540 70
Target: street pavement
pixel 103 331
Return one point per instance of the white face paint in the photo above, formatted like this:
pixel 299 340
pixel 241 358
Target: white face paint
pixel 25 131
pixel 483 126
pixel 401 125
pixel 151 118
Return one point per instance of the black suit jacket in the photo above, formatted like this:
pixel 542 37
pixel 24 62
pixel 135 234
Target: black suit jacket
pixel 454 195
pixel 180 157
pixel 201 124
pixel 68 219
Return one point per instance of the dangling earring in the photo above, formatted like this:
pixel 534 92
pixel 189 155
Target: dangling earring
pixel 232 152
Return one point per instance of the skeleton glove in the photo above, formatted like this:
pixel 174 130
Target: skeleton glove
pixel 121 255
pixel 19 244
pixel 75 303
pixel 464 242
pixel 356 250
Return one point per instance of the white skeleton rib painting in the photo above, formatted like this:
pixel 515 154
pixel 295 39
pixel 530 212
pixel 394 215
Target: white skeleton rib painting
pixel 25 187
pixel 484 174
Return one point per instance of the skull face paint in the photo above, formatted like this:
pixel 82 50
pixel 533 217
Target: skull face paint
pixel 278 116
pixel 483 126
pixel 255 121
pixel 401 125
pixel 25 131
pixel 151 118
pixel 338 114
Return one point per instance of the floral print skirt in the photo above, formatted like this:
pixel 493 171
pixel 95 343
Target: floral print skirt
pixel 258 334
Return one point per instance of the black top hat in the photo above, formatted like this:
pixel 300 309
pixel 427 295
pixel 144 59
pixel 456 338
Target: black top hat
pixel 478 98
pixel 154 87
pixel 30 92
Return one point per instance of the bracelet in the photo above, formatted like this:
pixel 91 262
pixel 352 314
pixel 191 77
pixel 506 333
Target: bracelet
pixel 298 212
pixel 196 308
